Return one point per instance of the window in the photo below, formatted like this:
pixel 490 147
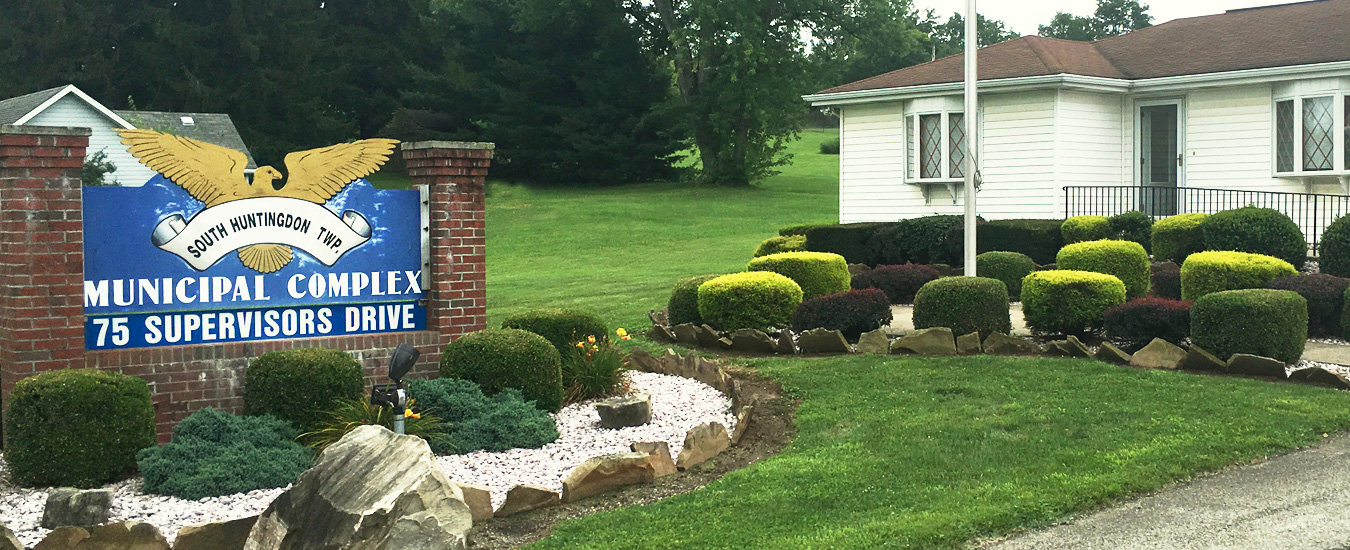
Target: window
pixel 935 147
pixel 956 140
pixel 1284 136
pixel 1309 131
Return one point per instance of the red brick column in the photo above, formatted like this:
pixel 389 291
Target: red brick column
pixel 454 173
pixel 41 251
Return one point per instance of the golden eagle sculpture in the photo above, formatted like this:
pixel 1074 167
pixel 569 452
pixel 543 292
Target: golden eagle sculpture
pixel 215 175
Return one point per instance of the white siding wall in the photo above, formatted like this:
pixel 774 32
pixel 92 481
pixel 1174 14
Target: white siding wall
pixel 1018 157
pixel 71 111
pixel 872 166
pixel 1228 140
pixel 1092 140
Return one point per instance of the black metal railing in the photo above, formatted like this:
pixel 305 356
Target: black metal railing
pixel 1311 211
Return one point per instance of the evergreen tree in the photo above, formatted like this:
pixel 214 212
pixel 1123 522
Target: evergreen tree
pixel 949 38
pixel 1112 18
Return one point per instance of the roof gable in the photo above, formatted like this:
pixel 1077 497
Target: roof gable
pixel 15 108
pixel 213 128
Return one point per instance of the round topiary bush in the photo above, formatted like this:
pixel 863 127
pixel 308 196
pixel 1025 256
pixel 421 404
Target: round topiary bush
pixel 1258 231
pixel 77 427
pixel 1334 248
pixel 1166 280
pixel 780 244
pixel 1133 226
pixel 852 313
pixel 1207 272
pixel 1085 228
pixel 817 273
pixel 899 282
pixel 1126 260
pixel 754 299
pixel 963 304
pixel 497 359
pixel 1009 267
pixel 1326 300
pixel 301 386
pixel 683 305
pixel 214 453
pixel 1266 322
pixel 561 327
pixel 1137 322
pixel 1069 302
pixel 1179 236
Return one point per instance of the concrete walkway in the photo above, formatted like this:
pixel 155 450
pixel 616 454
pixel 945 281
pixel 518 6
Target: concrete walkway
pixel 902 319
pixel 1292 502
pixel 1327 353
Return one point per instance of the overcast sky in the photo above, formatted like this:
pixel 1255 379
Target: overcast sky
pixel 1024 16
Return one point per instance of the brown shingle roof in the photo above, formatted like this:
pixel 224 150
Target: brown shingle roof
pixel 1272 36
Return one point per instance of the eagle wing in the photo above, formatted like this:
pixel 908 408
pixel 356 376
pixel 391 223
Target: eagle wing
pixel 210 173
pixel 317 175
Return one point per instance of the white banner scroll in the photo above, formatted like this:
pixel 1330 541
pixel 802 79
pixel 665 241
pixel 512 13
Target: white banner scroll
pixel 217 231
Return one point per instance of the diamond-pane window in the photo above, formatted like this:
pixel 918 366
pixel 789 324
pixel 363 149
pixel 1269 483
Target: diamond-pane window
pixel 930 146
pixel 956 140
pixel 910 160
pixel 1318 133
pixel 1284 136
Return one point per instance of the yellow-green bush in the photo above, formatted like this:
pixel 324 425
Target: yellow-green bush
pixel 1125 259
pixel 1179 236
pixel 1208 272
pixel 780 244
pixel 1069 302
pixel 817 273
pixel 1260 321
pixel 754 299
pixel 1085 228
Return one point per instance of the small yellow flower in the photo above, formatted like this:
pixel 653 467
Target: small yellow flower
pixel 591 338
pixel 622 332
pixel 581 345
pixel 410 414
pixel 627 337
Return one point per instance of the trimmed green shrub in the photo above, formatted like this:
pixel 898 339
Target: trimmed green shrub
pixel 1137 322
pixel 1126 260
pixel 77 427
pixel 963 304
pixel 830 146
pixel 480 423
pixel 1009 267
pixel 1266 322
pixel 852 313
pixel 1176 237
pixel 683 305
pixel 1345 316
pixel 899 282
pixel 800 229
pixel 497 359
pixel 1334 248
pixel 561 327
pixel 1326 300
pixel 775 245
pixel 302 385
pixel 755 299
pixel 215 453
pixel 1133 226
pixel 1206 272
pixel 1166 280
pixel 847 240
pixel 1258 231
pixel 1085 228
pixel 1069 302
pixel 919 240
pixel 817 273
pixel 1039 239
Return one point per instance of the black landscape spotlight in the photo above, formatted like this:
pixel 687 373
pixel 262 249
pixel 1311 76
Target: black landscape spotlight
pixel 395 394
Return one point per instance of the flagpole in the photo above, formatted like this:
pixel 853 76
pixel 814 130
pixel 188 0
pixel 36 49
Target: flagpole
pixel 972 126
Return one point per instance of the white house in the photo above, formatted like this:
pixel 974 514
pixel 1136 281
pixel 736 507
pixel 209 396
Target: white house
pixel 1250 100
pixel 68 106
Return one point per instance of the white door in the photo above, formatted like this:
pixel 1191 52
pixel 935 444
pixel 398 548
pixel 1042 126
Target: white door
pixel 1160 158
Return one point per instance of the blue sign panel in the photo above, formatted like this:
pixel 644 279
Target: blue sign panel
pixel 162 268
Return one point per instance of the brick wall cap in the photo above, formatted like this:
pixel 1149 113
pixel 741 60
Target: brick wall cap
pixel 27 130
pixel 417 145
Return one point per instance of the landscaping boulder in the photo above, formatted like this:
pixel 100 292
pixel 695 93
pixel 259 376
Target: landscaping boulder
pixel 372 490
pixel 642 361
pixel 1071 347
pixel 1198 359
pixel 1159 354
pixel 998 343
pixel 929 341
pixel 625 411
pixel 819 340
pixel 701 443
pixel 226 535
pixel 686 334
pixel 752 341
pixel 1109 353
pixel 1319 375
pixel 603 473
pixel 855 269
pixel 875 342
pixel 80 508
pixel 658 454
pixel 659 318
pixel 523 498
pixel 661 333
pixel 1255 365
pixel 125 535
pixel 785 345
pixel 479 500
pixel 709 337
pixel 7 539
pixel 742 422
pixel 968 344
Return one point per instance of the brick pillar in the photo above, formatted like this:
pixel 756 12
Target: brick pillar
pixel 41 251
pixel 454 174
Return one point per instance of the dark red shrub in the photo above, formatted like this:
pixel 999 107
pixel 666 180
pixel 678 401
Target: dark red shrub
pixel 852 313
pixel 1166 280
pixel 1326 299
pixel 1137 322
pixel 899 282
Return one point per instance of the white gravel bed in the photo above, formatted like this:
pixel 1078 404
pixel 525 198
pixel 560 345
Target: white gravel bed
pixel 678 404
pixel 1330 367
pixel 1332 341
